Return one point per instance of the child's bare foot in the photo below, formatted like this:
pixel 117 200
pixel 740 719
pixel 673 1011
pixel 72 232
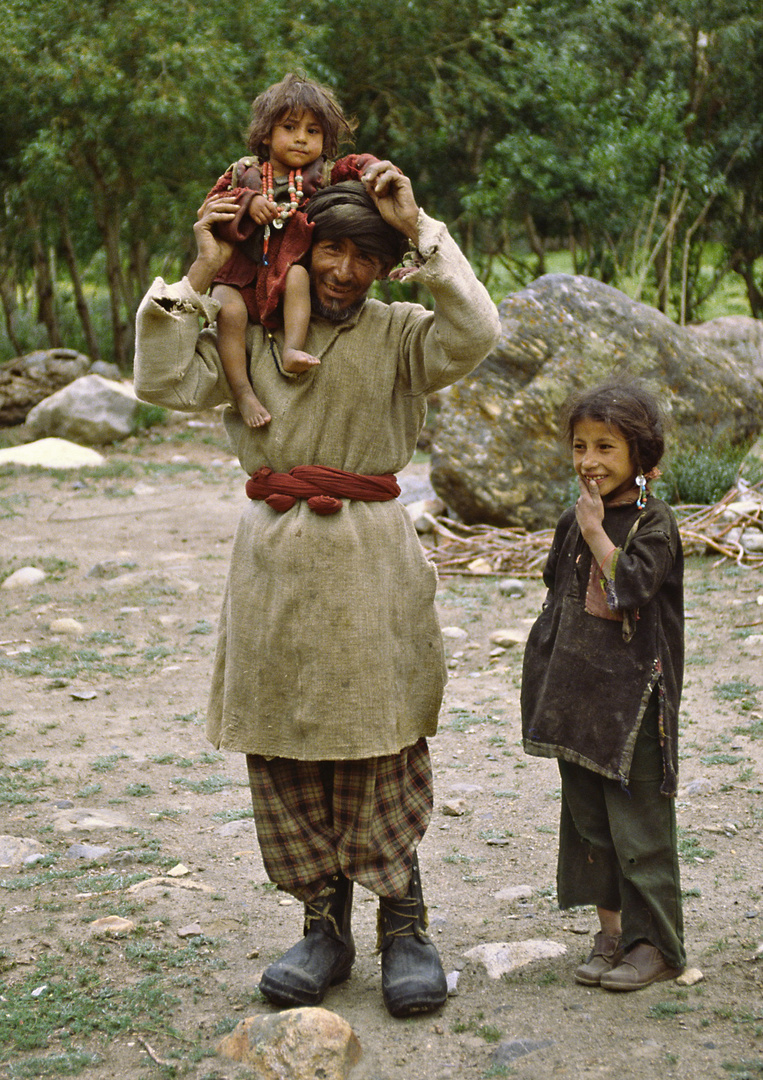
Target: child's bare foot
pixel 296 361
pixel 253 412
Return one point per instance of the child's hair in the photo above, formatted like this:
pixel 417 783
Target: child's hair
pixel 623 404
pixel 292 95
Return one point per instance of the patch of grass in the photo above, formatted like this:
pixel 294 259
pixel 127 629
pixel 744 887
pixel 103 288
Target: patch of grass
pixel 662 1010
pixel 702 474
pixel 208 786
pixel 53 998
pixel 742 692
pixel 107 763
pixel 743 1070
pixel 66 1063
pixel 88 790
pixel 489 1032
pixel 463 719
pixel 689 847
pixel 233 815
pixel 721 759
pixel 139 789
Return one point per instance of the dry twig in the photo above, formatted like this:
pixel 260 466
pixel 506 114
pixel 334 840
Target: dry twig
pixel 474 550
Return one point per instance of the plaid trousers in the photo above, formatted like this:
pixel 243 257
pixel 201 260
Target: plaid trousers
pixel 362 818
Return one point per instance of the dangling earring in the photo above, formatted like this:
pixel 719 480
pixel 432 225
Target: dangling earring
pixel 641 484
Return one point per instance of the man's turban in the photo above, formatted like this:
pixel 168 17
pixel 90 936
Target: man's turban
pixel 347 210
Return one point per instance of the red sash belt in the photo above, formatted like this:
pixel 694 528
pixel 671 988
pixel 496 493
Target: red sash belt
pixel 323 488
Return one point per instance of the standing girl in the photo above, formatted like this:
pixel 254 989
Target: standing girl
pixel 297 124
pixel 601 688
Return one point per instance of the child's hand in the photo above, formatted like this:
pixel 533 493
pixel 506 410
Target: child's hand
pixel 262 211
pixel 589 509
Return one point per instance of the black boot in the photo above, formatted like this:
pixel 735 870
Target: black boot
pixel 412 977
pixel 323 957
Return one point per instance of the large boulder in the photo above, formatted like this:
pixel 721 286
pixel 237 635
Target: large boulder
pixel 91 410
pixel 31 378
pixel 496 454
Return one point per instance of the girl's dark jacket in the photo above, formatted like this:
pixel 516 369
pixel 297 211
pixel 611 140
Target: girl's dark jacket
pixel 585 686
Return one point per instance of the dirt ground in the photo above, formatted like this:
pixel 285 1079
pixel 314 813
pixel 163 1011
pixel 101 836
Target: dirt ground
pixel 108 718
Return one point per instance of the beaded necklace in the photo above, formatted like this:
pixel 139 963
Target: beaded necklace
pixel 284 212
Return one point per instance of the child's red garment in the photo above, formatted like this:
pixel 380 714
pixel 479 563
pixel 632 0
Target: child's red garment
pixel 262 286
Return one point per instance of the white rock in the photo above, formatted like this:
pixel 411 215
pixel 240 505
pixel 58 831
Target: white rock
pixel 506 638
pixel 455 632
pixel 111 926
pixel 68 821
pixel 480 566
pixel 515 892
pixel 67 626
pixel 16 850
pixel 23 577
pixel 51 454
pixel 500 957
pixel 690 977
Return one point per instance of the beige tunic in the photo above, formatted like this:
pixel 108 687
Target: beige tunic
pixel 329 646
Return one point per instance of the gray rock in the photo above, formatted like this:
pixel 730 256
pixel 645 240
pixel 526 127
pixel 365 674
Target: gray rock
pixel 512 587
pixel 496 455
pixel 108 371
pixel 29 379
pixel 506 1052
pixel 87 851
pixel 91 410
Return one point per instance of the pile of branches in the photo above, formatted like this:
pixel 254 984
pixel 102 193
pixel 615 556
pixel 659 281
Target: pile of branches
pixel 456 548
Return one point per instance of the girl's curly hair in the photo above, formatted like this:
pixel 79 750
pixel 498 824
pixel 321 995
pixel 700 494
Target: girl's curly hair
pixel 292 95
pixel 629 407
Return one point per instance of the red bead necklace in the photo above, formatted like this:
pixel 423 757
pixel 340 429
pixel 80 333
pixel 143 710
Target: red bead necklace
pixel 284 212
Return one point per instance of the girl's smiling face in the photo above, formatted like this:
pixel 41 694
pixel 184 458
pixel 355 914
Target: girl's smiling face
pixel 602 454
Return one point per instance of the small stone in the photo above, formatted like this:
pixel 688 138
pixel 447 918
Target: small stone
pixel 192 930
pixel 455 632
pixel 690 977
pixel 480 566
pixel 700 786
pixel 111 926
pixel 83 695
pixel 24 577
pixel 452 980
pixel 507 638
pixel 178 871
pixel 454 808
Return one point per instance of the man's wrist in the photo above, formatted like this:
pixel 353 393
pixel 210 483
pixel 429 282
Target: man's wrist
pixel 201 273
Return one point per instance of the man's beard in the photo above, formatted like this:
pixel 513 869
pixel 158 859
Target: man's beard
pixel 333 312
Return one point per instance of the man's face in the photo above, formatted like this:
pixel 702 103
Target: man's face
pixel 340 276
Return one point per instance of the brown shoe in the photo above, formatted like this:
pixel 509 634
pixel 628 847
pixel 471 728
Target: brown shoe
pixel 642 965
pixel 605 954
